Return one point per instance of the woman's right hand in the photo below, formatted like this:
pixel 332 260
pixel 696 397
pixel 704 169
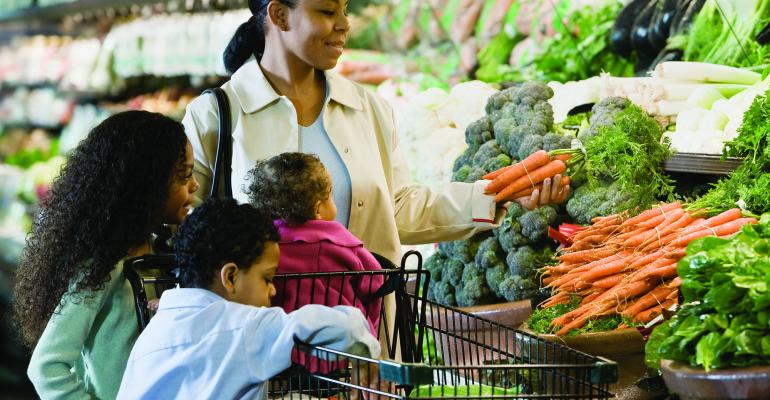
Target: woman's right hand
pixel 553 193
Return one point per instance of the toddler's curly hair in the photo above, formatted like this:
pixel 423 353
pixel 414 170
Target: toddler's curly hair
pixel 288 186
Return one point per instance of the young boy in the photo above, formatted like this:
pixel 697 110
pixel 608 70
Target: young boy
pixel 217 337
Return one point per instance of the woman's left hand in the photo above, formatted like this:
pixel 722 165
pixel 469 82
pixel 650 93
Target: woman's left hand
pixel 553 193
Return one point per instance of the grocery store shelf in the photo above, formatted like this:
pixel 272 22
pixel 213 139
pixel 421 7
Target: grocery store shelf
pixel 58 11
pixel 701 164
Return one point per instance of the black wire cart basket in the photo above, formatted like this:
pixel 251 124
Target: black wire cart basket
pixel 430 351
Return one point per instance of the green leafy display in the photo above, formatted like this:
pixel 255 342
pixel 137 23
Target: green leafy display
pixel 725 319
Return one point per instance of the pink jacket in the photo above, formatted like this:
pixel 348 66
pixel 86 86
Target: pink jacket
pixel 326 246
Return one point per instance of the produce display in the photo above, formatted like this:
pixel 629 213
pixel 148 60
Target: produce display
pixel 502 265
pixel 724 319
pixel 624 269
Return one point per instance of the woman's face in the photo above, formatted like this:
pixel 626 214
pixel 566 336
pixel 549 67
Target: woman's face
pixel 317 31
pixel 183 186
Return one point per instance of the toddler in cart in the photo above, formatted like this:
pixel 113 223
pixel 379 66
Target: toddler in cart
pixel 218 337
pixel 296 189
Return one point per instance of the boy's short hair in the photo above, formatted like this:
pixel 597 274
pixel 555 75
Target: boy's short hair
pixel 289 185
pixel 217 232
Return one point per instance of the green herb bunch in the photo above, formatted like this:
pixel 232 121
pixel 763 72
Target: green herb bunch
pixel 750 181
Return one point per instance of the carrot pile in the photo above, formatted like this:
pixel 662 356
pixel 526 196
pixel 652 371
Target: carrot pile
pixel 521 179
pixel 627 266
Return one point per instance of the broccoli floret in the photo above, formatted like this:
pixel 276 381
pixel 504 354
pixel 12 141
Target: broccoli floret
pixel 587 202
pixel 446 249
pixel 502 160
pixel 603 114
pixel 489 253
pixel 442 293
pixel 466 158
pixel 494 276
pixel 453 271
pixel 464 250
pixel 475 174
pixel 461 175
pixel 522 261
pixel 509 233
pixel 479 131
pixel 554 141
pixel 487 151
pixel 515 287
pixel 535 223
pixel 435 266
pixel 535 90
pixel 529 145
pixel 498 100
pixel 474 288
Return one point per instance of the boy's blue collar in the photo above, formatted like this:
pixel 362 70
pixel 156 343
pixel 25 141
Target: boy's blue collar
pixel 187 297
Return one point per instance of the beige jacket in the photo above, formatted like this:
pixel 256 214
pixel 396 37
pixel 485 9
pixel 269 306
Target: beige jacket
pixel 387 208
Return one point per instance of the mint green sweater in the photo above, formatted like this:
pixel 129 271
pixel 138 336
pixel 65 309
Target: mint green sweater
pixel 85 346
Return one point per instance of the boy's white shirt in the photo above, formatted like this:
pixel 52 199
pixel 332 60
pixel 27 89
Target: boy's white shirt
pixel 387 208
pixel 202 346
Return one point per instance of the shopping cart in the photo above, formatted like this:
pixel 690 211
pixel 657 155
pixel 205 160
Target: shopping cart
pixel 441 352
pixel 149 276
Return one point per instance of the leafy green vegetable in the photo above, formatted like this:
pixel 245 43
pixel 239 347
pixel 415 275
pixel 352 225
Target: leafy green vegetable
pixel 582 49
pixel 474 390
pixel 726 315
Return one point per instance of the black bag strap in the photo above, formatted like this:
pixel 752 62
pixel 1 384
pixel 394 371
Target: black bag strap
pixel 223 162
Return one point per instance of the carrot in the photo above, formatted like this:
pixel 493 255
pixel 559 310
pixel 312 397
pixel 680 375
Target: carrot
pixel 676 282
pixel 683 221
pixel 644 271
pixel 494 174
pixel 654 233
pixel 580 270
pixel 676 254
pixel 531 178
pixel 727 216
pixel 605 231
pixel 605 270
pixel 563 157
pixel 646 259
pixel 724 229
pixel 532 163
pixel 587 255
pixel 528 191
pixel 652 312
pixel 655 297
pixel 665 271
pixel 628 290
pixel 660 209
pixel 558 298
pixel 590 297
pixel 608 282
pixel 548 280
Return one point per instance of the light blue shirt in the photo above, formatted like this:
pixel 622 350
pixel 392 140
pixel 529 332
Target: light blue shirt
pixel 314 139
pixel 201 346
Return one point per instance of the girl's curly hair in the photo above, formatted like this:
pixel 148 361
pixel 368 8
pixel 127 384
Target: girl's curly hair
pixel 106 200
pixel 217 232
pixel 289 185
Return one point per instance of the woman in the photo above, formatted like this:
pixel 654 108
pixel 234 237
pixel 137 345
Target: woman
pixel 284 98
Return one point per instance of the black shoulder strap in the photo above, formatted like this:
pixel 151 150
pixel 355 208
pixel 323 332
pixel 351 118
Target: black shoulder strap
pixel 223 161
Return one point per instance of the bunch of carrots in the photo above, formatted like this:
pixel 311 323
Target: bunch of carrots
pixel 521 179
pixel 627 266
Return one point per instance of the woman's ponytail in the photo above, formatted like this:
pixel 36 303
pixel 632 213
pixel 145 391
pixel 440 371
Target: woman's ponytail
pixel 248 40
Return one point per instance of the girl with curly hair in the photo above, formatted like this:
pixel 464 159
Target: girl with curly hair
pixel 72 303
pixel 296 190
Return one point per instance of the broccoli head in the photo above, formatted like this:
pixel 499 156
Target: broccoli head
pixel 453 271
pixel 476 173
pixel 464 250
pixel 487 151
pixel 603 113
pixel 587 203
pixel 474 289
pixel 509 233
pixel 530 144
pixel 522 261
pixel 489 253
pixel 461 175
pixel 466 158
pixel 435 266
pixel 498 100
pixel 479 132
pixel 535 223
pixel 494 276
pixel 515 287
pixel 553 141
pixel 502 160
pixel 533 91
pixel 442 293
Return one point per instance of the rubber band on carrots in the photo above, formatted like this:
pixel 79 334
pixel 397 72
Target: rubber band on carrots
pixel 528 177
